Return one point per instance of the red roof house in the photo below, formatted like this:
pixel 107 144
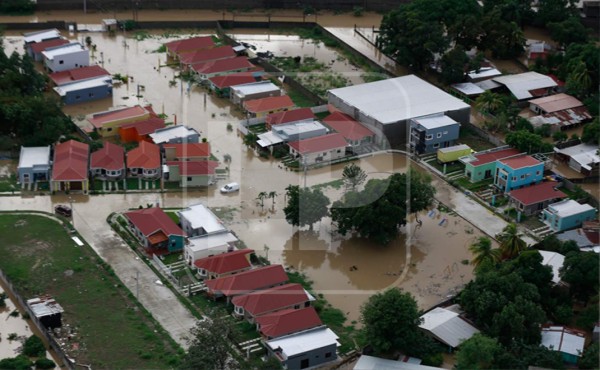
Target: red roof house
pixel 187 151
pixel 219 83
pixel 319 149
pixel 38 47
pixel 224 264
pixel 77 74
pixel 206 55
pixel 144 161
pixel 266 301
pixel 108 162
pixel 156 230
pixel 247 281
pixel 285 322
pixel 272 104
pixel 222 66
pixel 488 157
pixel 140 130
pixel 70 167
pixel 354 132
pixel 534 198
pixel 294 115
pixel 107 123
pixel 188 45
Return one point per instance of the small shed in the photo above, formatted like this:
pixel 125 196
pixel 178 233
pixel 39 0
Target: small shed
pixel 446 325
pixel 109 25
pixel 256 90
pixel 569 342
pixel 47 311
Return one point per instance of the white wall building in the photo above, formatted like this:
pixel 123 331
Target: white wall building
pixel 65 57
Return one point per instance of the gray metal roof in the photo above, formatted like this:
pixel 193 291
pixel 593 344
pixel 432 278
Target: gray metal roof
pixel 563 340
pixel 435 121
pixel 44 306
pixel 521 84
pixel 376 363
pixel 34 156
pixel 447 326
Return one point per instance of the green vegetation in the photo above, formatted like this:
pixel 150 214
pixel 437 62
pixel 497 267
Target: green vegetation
pixel 298 64
pixel 299 99
pixel 17 363
pixel 44 363
pixel 161 49
pixel 474 141
pixel 33 347
pixel 305 206
pixel 17 7
pixel 41 259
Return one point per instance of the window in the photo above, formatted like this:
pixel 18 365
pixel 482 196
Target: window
pixel 445 132
pixel 77 97
pixel 522 177
pixel 339 150
pixel 328 355
pixel 296 307
pixel 429 137
pixel 189 179
pixel 514 178
pixel 324 153
pixel 109 129
pixel 436 145
pixel 61 62
pixel 439 135
pixel 91 95
pixel 537 173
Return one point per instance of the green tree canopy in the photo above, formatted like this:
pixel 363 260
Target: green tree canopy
pixel 590 358
pixel 483 253
pixel 591 132
pixel 453 65
pixel 554 11
pixel 353 176
pixel 581 271
pixel 305 206
pixel 477 352
pixel 511 243
pixel 568 31
pixel 528 142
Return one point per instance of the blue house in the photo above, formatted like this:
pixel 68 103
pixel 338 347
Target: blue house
pixel 86 90
pixel 309 348
pixel 517 172
pixel 430 133
pixel 568 214
pixel 34 165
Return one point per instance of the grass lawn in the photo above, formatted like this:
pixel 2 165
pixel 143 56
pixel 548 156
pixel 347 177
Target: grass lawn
pixel 298 98
pixel 113 330
pixel 474 186
pixel 9 183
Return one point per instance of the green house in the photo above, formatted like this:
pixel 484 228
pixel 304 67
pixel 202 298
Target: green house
pixel 482 165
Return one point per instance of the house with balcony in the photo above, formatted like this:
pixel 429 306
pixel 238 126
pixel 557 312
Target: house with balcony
pixel 66 57
pixel 70 169
pixel 288 296
pixel 533 199
pixel 568 214
pixel 430 133
pixel 224 264
pixel 144 162
pixel 157 232
pixel 518 172
pixel 305 349
pixel 321 149
pixel 34 165
pixel 108 163
pixel 482 165
pixel 246 282
pixel 285 322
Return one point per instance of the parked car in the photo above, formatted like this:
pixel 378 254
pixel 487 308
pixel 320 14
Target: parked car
pixel 63 210
pixel 230 188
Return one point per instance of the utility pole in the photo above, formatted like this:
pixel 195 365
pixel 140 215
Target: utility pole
pixel 85 6
pixel 137 285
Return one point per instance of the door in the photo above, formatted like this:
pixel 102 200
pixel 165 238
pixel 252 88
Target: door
pixel 304 363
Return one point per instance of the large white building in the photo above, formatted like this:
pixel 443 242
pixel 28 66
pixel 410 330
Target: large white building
pixel 386 106
pixel 65 57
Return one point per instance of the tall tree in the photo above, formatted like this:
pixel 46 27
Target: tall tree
pixel 305 206
pixel 590 358
pixel 591 132
pixel 503 38
pixel 261 198
pixel 581 271
pixel 353 176
pixel 489 102
pixel 579 81
pixel 568 31
pixel 477 352
pixel 272 196
pixel 511 243
pixel 483 253
pixel 520 319
pixel 453 65
pixel 554 11
pixel 528 142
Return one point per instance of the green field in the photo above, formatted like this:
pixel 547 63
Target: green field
pixel 113 330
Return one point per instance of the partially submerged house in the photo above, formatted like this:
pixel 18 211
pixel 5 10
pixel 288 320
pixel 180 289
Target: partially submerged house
pixel 192 44
pixel 583 158
pixel 517 172
pixel 35 50
pixel 224 264
pixel 245 282
pixel 140 130
pixel 205 55
pixel 482 165
pixel 222 84
pixel 262 107
pixel 567 214
pixel 533 199
pixel 157 232
pixel 66 57
pixel 208 245
pixel 221 67
pixel 190 174
pixel 176 134
pixel 527 85
pixel 198 219
pixel 70 167
pixel 85 90
pixel 144 161
pixel 569 342
pixel 32 38
pixel 304 349
pixel 355 133
pixel 34 165
pixel 78 74
pixel 107 123
pixel 288 296
pixel 187 152
pixel 386 106
pixel 430 133
pixel 290 116
pixel 447 326
pixel 319 149
pixel 108 163
pixel 285 322
pixel 560 111
pixel 255 90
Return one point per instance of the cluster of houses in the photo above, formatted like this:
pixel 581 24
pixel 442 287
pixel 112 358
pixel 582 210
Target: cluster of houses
pixel 68 67
pixel 290 327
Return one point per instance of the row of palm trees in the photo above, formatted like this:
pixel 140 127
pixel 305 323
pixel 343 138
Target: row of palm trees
pixel 264 195
pixel 511 245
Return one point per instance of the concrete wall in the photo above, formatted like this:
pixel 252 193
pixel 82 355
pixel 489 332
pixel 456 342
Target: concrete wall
pixel 94 93
pixel 69 61
pixel 198 180
pixel 315 357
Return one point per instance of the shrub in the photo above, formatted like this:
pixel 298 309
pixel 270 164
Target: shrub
pixel 44 363
pixel 358 11
pixel 16 363
pixel 433 360
pixel 34 347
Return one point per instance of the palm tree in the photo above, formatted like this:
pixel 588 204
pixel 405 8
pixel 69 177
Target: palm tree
pixel 483 252
pixel 511 243
pixel 489 102
pixel 261 196
pixel 273 195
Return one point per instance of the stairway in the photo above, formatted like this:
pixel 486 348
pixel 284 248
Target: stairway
pixel 542 231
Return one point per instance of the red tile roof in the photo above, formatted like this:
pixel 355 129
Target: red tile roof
pixel 319 144
pixel 537 193
pixel 100 119
pixel 268 104
pixel 146 155
pixel 38 47
pixel 152 220
pixel 347 126
pixel 70 161
pixel 290 321
pixel 232 79
pixel 147 126
pixel 78 74
pixel 293 115
pixel 190 149
pixel 520 161
pixel 222 65
pixel 226 262
pixel 110 157
pixel 195 168
pixel 485 158
pixel 268 300
pixel 200 56
pixel 193 43
pixel 248 281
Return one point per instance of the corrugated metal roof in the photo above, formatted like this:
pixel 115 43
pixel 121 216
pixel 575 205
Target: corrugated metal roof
pixel 447 326
pixel 200 216
pixel 166 134
pixel 254 88
pixel 32 156
pixel 563 340
pixel 375 363
pixel 468 88
pixel 82 85
pixel 435 121
pixel 52 52
pixel 295 344
pixel 554 260
pixel 521 84
pixel 39 36
pixel 44 306
pixel 569 207
pixel 210 241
